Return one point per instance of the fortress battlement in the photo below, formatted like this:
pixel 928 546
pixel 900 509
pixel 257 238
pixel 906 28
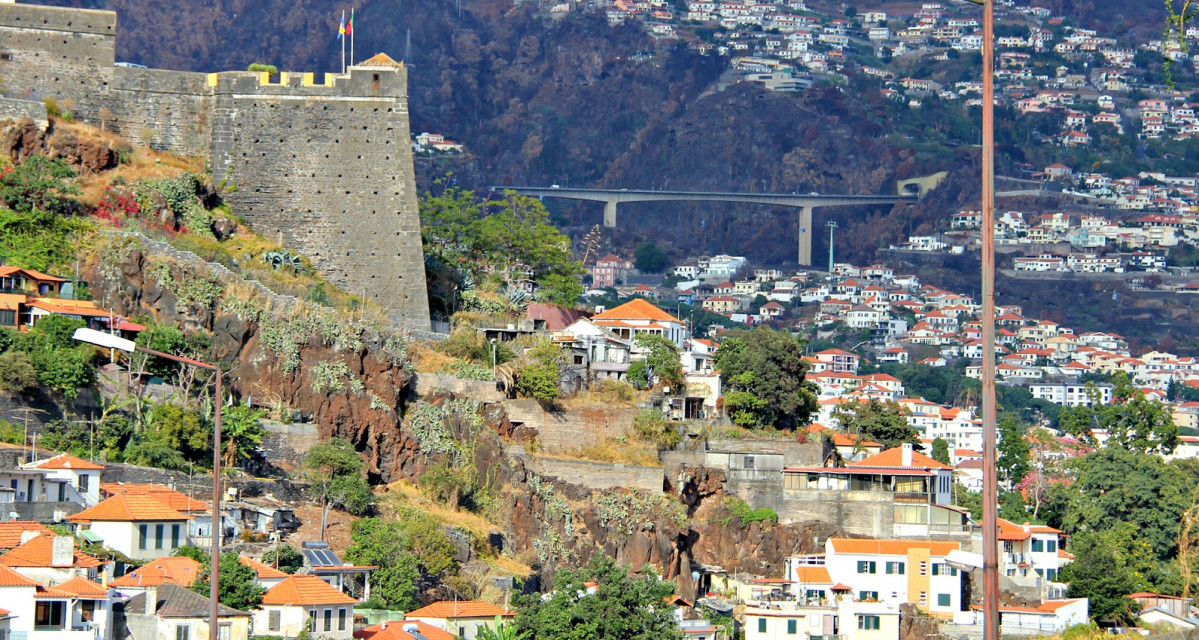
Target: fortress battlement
pixel 327 164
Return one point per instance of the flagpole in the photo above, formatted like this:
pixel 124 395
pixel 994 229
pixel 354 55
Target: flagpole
pixel 341 36
pixel 351 36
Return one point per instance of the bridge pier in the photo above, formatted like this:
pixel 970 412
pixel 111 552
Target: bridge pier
pixel 610 213
pixel 805 235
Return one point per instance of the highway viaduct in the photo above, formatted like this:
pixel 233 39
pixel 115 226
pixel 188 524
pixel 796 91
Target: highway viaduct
pixel 805 203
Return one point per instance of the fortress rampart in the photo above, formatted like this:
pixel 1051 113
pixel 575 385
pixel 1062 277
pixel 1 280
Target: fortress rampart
pixel 324 162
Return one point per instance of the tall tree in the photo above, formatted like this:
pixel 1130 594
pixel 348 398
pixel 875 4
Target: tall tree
pixel 335 475
pixel 648 256
pixel 660 364
pixel 1113 486
pixel 765 373
pixel 1014 453
pixel 411 553
pixel 884 422
pixel 236 586
pixel 941 450
pixel 622 607
pixel 1107 566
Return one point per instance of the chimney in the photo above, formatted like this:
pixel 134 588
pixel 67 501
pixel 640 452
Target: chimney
pixel 151 601
pixel 905 452
pixel 28 535
pixel 62 553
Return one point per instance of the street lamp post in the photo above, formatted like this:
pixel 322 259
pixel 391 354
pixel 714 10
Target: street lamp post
pixel 109 341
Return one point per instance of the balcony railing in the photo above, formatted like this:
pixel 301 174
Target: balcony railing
pixel 912 496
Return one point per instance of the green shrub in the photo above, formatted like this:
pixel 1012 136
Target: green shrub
pixel 737 508
pixel 259 67
pixel 651 425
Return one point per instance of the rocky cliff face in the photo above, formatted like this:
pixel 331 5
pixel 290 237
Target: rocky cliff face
pixel 551 523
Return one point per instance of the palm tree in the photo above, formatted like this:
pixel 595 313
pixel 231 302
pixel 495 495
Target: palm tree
pixel 242 433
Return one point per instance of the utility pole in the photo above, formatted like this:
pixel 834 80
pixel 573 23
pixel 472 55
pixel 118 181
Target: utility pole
pixel 832 229
pixel 990 487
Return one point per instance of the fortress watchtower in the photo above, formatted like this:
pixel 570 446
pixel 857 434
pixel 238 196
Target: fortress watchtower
pixel 326 165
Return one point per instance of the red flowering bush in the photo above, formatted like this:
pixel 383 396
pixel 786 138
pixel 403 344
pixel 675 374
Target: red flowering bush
pixel 116 207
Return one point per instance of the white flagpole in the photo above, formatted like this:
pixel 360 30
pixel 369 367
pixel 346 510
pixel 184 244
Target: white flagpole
pixel 351 36
pixel 341 36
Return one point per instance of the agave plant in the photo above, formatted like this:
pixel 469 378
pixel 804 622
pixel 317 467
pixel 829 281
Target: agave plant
pixel 280 259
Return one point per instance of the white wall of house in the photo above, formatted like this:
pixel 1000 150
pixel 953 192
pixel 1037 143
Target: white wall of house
pixel 294 619
pixel 127 537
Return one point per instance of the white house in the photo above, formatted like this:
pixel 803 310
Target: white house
pixel 897 571
pixel 305 602
pixel 80 477
pixel 138 526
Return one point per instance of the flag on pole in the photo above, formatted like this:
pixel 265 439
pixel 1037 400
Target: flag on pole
pixel 341 30
pixel 350 24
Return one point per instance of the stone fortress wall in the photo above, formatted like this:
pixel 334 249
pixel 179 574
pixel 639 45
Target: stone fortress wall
pixel 326 166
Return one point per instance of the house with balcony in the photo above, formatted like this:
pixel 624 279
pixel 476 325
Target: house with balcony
pixel 897 572
pixel 80 478
pixel 77 609
pixel 1030 550
pixel 639 316
pixel 897 493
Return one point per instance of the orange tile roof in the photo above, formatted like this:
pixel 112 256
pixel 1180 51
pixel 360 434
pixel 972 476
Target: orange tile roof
pixel 460 609
pixel 636 309
pixel 1012 531
pixel 68 461
pixel 264 571
pixel 10 578
pixel 39 552
pixel 174 499
pixel 180 570
pixel 83 588
pixel 11 530
pixel 812 575
pixel 893 457
pixel 305 590
pixel 129 508
pixel 890 547
pixel 394 630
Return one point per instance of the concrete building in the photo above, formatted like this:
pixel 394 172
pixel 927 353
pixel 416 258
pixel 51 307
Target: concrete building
pixel 461 618
pixel 897 572
pixel 172 612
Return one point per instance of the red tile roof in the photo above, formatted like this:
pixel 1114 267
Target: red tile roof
pixel 305 590
pixel 394 630
pixel 636 309
pixel 10 578
pixel 68 461
pixel 83 588
pixel 39 552
pixel 459 609
pixel 893 457
pixel 129 508
pixel 264 571
pixel 174 499
pixel 177 569
pixel 11 531
pixel 1012 531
